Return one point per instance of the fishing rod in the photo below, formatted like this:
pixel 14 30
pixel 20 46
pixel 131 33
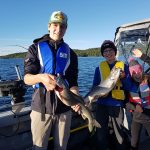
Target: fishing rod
pixel 18 46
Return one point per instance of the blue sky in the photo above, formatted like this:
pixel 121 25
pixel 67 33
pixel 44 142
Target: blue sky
pixel 90 22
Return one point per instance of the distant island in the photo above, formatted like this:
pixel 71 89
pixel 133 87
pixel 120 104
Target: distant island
pixel 81 53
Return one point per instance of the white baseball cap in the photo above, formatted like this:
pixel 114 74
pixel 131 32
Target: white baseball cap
pixel 58 17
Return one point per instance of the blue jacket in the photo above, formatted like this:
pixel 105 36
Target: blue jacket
pixel 32 65
pixel 53 64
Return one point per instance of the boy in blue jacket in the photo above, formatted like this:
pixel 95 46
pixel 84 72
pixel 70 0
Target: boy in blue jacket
pixel 140 98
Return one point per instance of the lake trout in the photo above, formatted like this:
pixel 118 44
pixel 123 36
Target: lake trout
pixel 104 87
pixel 71 99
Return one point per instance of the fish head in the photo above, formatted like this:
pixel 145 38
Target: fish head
pixel 59 81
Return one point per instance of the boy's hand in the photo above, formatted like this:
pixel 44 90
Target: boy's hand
pixel 122 74
pixel 138 108
pixel 76 108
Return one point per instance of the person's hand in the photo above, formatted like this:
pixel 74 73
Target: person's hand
pixel 137 53
pixel 138 108
pixel 122 74
pixel 76 108
pixel 49 81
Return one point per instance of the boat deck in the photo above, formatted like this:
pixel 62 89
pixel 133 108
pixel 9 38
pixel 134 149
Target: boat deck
pixel 15 130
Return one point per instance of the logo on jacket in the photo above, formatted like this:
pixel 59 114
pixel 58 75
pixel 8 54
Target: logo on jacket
pixel 63 55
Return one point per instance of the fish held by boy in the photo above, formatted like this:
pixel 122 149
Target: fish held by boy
pixel 104 87
pixel 71 99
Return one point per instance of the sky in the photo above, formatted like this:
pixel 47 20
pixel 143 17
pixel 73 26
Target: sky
pixel 90 22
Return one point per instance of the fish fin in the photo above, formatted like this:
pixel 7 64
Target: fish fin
pixel 92 133
pixel 90 127
pixel 96 124
pixel 91 99
pixel 83 116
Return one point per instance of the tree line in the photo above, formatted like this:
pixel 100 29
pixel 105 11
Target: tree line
pixel 81 53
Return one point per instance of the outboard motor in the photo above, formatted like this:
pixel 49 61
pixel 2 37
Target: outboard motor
pixel 14 88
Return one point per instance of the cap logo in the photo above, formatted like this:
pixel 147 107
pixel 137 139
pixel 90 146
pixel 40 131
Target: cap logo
pixel 59 16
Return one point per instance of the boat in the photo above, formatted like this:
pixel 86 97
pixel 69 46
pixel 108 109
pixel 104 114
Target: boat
pixel 128 37
pixel 133 35
pixel 15 119
pixel 15 131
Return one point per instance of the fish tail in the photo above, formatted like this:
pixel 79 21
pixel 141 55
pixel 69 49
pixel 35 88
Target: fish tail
pixel 93 124
pixel 96 124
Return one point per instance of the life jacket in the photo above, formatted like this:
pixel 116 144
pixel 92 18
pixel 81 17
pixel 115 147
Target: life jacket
pixel 117 92
pixel 141 97
pixel 51 64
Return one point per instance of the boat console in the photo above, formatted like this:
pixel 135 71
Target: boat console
pixel 14 88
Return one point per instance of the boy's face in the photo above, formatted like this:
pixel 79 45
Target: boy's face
pixel 109 54
pixel 56 31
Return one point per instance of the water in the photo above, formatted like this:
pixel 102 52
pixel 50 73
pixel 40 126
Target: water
pixel 8 72
pixel 7 68
pixel 87 67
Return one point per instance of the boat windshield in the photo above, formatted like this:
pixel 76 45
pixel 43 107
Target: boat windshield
pixel 131 39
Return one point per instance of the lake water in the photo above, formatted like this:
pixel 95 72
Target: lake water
pixel 86 72
pixel 87 67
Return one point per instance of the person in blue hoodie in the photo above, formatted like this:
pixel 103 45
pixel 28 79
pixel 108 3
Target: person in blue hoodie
pixel 110 108
pixel 139 97
pixel 47 57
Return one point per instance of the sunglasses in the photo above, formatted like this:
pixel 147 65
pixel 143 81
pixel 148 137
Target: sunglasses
pixel 108 51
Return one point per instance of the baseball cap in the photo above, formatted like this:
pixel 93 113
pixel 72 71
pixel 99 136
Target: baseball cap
pixel 58 17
